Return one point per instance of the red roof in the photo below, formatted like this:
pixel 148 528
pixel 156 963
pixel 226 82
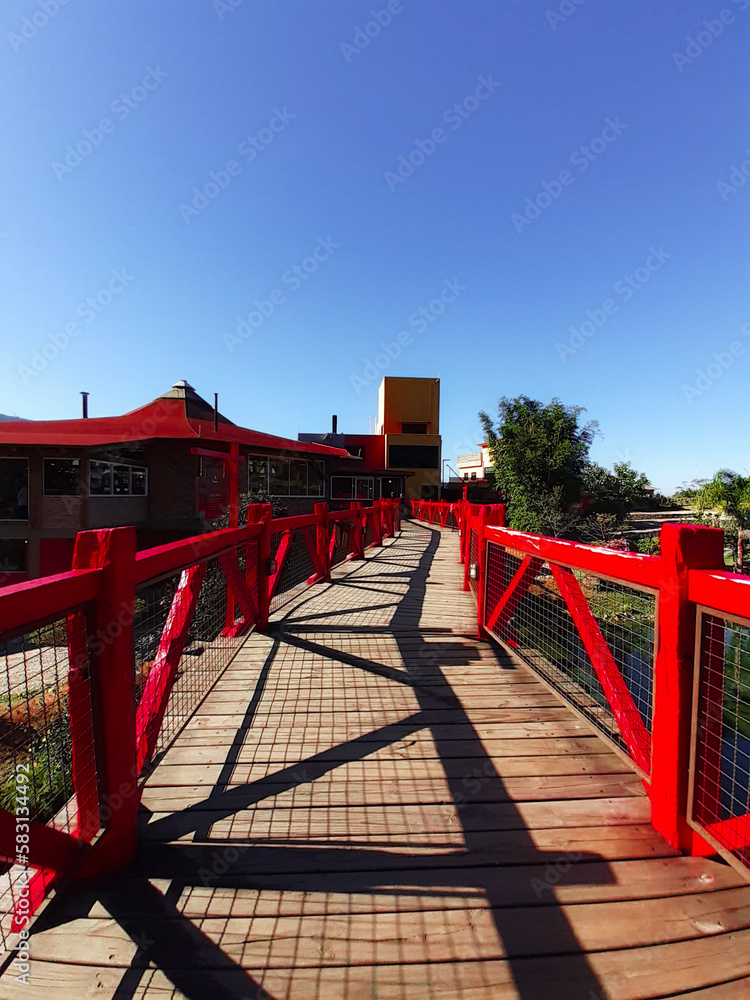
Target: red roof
pixel 166 417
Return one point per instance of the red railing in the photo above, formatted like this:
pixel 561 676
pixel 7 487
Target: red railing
pixel 652 651
pixel 101 667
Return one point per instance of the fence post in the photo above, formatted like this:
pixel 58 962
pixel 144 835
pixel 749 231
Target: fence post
pixel 358 533
pixel 377 523
pixel 481 571
pixel 321 539
pixel 683 547
pixel 264 558
pixel 113 551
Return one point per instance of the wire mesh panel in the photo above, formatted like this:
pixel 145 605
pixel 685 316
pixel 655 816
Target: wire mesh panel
pixel 343 532
pixel 537 623
pixel 721 795
pixel 180 646
pixel 297 568
pixel 46 738
pixel 473 561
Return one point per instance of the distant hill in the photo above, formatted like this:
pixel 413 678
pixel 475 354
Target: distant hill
pixel 4 416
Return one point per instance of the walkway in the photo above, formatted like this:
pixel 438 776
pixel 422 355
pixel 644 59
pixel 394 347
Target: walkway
pixel 373 806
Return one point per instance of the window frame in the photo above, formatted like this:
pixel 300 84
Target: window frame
pixel 75 462
pixel 18 520
pixel 111 467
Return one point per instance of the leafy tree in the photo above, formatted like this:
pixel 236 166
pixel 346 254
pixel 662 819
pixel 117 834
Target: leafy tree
pixel 618 491
pixel 539 454
pixel 729 492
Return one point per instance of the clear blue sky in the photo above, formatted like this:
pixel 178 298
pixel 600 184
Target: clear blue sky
pixel 218 73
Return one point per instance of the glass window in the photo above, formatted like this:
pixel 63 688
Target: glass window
pixel 100 478
pixel 61 477
pixel 13 555
pixel 138 482
pixel 413 428
pixel 365 489
pixel 14 489
pixel 315 481
pixel 257 475
pixel 342 488
pixel 121 480
pixel 278 479
pixel 298 478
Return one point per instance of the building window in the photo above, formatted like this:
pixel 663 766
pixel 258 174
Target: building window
pixel 413 456
pixel 61 477
pixel 466 475
pixel 107 479
pixel 13 554
pixel 473 475
pixel 413 428
pixel 14 489
pixel 352 488
pixel 283 477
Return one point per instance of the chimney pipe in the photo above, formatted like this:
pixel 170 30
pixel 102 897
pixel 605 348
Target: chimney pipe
pixel 216 411
pixel 334 424
pixel 85 404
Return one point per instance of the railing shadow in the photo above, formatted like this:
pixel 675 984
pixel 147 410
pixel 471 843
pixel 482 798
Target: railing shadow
pixel 200 969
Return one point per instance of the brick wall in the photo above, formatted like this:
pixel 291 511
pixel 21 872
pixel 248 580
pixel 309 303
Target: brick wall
pixel 172 475
pixel 59 514
pixel 114 512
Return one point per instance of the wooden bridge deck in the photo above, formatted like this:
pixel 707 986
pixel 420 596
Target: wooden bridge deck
pixel 370 804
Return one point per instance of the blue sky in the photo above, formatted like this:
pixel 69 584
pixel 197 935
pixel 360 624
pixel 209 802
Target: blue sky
pixel 115 117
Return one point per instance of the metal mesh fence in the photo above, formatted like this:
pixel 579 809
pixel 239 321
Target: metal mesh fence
pixel 297 569
pixel 44 682
pixel 473 562
pixel 205 653
pixel 542 632
pixel 343 532
pixel 721 796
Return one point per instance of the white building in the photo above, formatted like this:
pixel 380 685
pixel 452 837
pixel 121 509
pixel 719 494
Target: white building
pixel 475 466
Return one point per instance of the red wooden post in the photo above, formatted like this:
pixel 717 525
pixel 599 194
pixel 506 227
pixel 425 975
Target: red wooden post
pixel 683 547
pixel 113 550
pixel 321 539
pixel 481 571
pixel 358 534
pixel 263 570
pixel 377 523
pixel 234 520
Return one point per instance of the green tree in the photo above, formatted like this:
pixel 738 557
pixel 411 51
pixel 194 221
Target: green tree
pixel 730 493
pixel 618 491
pixel 539 454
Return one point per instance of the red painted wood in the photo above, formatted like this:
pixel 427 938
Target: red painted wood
pixel 82 728
pixel 175 556
pixel 161 677
pixel 683 547
pixel 321 541
pixel 626 566
pixel 281 555
pixel 358 535
pixel 728 593
pixel 264 559
pixel 237 586
pixel 637 737
pixel 511 597
pixel 113 552
pixel 46 599
pixel 51 849
pixel 481 572
pixel 733 834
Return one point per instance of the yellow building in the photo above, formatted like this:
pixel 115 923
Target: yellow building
pixel 409 420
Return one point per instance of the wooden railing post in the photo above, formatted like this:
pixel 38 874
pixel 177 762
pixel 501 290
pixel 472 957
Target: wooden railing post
pixel 481 572
pixel 111 648
pixel 321 540
pixel 358 532
pixel 683 547
pixel 264 559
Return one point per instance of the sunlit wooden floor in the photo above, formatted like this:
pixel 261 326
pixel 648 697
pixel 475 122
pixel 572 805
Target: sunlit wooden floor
pixel 371 804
